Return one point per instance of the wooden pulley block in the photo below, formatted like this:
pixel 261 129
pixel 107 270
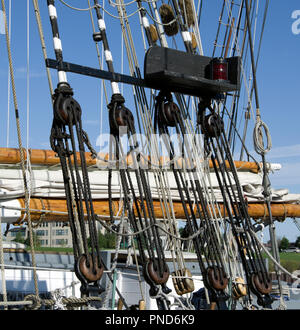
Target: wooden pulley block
pixel 120 304
pixel 216 277
pixel 178 283
pixel 243 245
pixel 213 125
pixel 168 112
pixel 182 281
pixel 187 280
pixel 142 305
pixel 153 33
pixel 91 272
pixel 69 106
pixel 154 273
pixel 64 104
pixel 239 288
pixel 261 285
pixel 121 116
pixel 194 41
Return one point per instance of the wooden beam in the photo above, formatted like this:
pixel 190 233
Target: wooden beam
pixel 58 208
pixel 49 158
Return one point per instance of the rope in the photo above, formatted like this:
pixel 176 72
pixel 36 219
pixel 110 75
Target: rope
pixel 257 137
pixel 2 266
pixel 8 80
pixel 197 233
pixel 118 17
pixel 20 144
pixel 42 39
pixel 272 258
pixel 114 264
pixel 32 303
pixel 96 6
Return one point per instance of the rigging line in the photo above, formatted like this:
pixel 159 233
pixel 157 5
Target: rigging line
pixel 122 16
pixel 113 4
pixel 252 58
pixel 141 177
pixel 28 163
pixel 43 45
pixel 243 210
pixel 78 9
pixel 27 81
pixel 247 114
pixel 157 20
pixel 126 41
pixel 259 145
pixel 196 27
pixel 132 234
pixel 218 29
pixel 124 182
pixel 97 6
pixel 234 42
pixel 238 29
pixel 3 279
pixel 242 141
pixel 100 61
pixel 272 258
pixel 139 93
pixel 114 262
pixel 179 180
pixel 228 25
pixel 20 145
pixel 8 78
pixel 211 229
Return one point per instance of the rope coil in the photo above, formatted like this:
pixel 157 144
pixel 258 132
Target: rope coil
pixel 260 126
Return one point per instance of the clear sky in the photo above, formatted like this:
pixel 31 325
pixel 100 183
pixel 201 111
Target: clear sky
pixel 278 78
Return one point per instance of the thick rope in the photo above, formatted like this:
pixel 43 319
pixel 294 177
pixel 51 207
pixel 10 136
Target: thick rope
pixel 32 303
pixel 20 146
pixel 4 293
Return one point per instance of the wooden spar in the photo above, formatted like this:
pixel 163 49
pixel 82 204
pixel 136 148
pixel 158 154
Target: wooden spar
pixel 58 209
pixel 49 158
pixel 37 157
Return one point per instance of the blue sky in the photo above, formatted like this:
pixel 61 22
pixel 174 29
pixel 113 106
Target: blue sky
pixel 278 79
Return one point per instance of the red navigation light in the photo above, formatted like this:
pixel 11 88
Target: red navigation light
pixel 219 69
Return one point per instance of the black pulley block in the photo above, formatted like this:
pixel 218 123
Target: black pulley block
pixel 212 125
pixel 120 116
pixel 65 107
pixel 167 113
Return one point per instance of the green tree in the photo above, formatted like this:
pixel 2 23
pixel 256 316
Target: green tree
pixel 36 241
pixel 284 243
pixel 105 241
pixel 19 238
pixel 297 243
